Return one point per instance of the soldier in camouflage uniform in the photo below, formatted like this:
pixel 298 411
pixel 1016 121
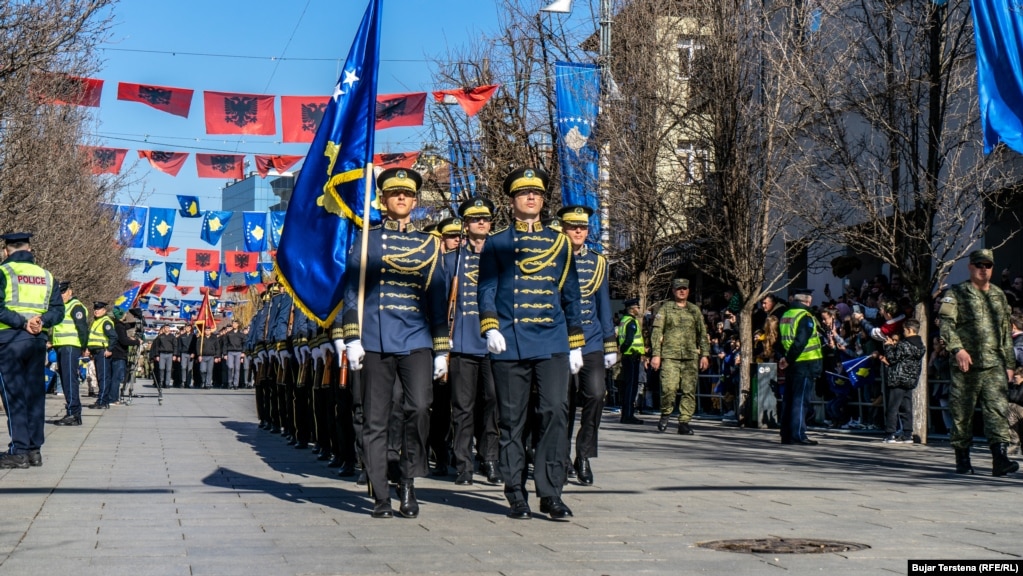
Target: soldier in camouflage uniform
pixel 680 346
pixel 975 326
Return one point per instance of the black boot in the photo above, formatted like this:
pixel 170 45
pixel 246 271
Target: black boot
pixel 1000 463
pixel 963 465
pixel 662 424
pixel 491 470
pixel 409 507
pixel 583 471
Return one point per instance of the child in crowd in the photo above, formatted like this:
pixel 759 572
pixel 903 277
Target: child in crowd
pixel 904 359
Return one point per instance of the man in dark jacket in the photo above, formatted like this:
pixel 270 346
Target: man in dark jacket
pixel 163 351
pixel 185 355
pixel 232 349
pixel 119 355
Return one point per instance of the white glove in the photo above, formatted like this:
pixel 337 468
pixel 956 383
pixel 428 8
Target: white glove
pixel 262 355
pixel 610 360
pixel 257 360
pixel 304 353
pixel 316 354
pixel 495 341
pixel 284 355
pixel 575 360
pixel 328 346
pixel 356 353
pixel 339 349
pixel 273 353
pixel 440 366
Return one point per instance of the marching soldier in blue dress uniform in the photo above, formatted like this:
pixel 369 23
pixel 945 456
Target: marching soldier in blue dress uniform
pixel 30 304
pixel 601 350
pixel 256 346
pixel 470 374
pixel 530 316
pixel 403 325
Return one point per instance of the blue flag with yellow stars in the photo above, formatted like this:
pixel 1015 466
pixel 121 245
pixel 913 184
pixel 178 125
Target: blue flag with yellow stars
pixel 577 88
pixel 124 301
pixel 326 207
pixel 213 225
pixel 149 265
pixel 189 206
pixel 161 225
pixel 253 278
pixel 212 280
pixel 276 227
pixel 133 225
pixel 254 224
pixel 173 272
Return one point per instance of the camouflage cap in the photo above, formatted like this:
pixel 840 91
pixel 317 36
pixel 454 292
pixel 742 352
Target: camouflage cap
pixel 680 283
pixel 982 255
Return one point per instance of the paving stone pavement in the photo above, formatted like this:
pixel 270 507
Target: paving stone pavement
pixel 192 487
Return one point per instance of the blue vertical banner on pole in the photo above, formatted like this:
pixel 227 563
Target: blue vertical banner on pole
pixel 462 155
pixel 577 89
pixel 998 28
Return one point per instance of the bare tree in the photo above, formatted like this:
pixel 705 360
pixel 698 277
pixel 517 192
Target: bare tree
pixel 46 185
pixel 893 131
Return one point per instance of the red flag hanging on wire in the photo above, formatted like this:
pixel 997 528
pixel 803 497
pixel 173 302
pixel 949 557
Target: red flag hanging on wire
pixel 176 101
pixel 144 291
pixel 163 251
pixel 158 290
pixel 301 116
pixel 220 165
pixel 185 289
pixel 395 160
pixel 228 113
pixel 105 160
pixel 73 90
pixel 203 260
pixel 279 163
pixel 236 261
pixel 400 110
pixel 166 162
pixel 471 100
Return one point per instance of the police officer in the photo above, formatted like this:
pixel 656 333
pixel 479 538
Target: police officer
pixel 29 304
pixel 976 330
pixel 403 324
pixel 470 373
pixel 601 350
pixel 102 336
pixel 70 337
pixel 680 350
pixel 530 316
pixel 630 344
pixel 803 363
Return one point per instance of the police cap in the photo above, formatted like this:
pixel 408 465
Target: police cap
pixel 575 215
pixel 16 237
pixel 525 178
pixel 98 304
pixel 64 286
pixel 631 302
pixel 476 208
pixel 404 179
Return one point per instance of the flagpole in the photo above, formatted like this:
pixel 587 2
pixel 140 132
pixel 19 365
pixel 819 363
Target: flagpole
pixel 364 248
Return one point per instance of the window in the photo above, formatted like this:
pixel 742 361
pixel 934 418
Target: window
pixel 690 51
pixel 693 161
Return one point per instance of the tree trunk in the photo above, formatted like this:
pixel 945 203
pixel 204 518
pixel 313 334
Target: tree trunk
pixel 921 394
pixel 745 359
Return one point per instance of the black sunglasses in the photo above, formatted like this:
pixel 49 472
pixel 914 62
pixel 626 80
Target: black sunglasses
pixel 984 265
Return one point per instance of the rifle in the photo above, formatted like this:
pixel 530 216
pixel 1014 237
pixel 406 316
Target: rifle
pixel 453 304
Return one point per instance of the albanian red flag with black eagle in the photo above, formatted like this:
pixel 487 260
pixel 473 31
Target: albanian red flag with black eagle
pixel 229 113
pixel 176 101
pixel 220 165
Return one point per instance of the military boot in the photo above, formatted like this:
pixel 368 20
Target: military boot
pixel 1000 463
pixel 662 424
pixel 409 507
pixel 963 465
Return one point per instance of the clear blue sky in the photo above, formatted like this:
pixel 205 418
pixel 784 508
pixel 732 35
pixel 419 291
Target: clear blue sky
pixel 292 47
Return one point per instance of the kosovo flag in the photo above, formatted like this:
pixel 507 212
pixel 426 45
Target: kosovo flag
pixel 133 224
pixel 213 225
pixel 173 272
pixel 149 265
pixel 327 205
pixel 998 28
pixel 212 280
pixel 255 231
pixel 161 225
pixel 127 300
pixel 859 371
pixel 189 206
pixel 276 227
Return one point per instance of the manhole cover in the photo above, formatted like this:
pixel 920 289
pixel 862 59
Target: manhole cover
pixel 782 546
